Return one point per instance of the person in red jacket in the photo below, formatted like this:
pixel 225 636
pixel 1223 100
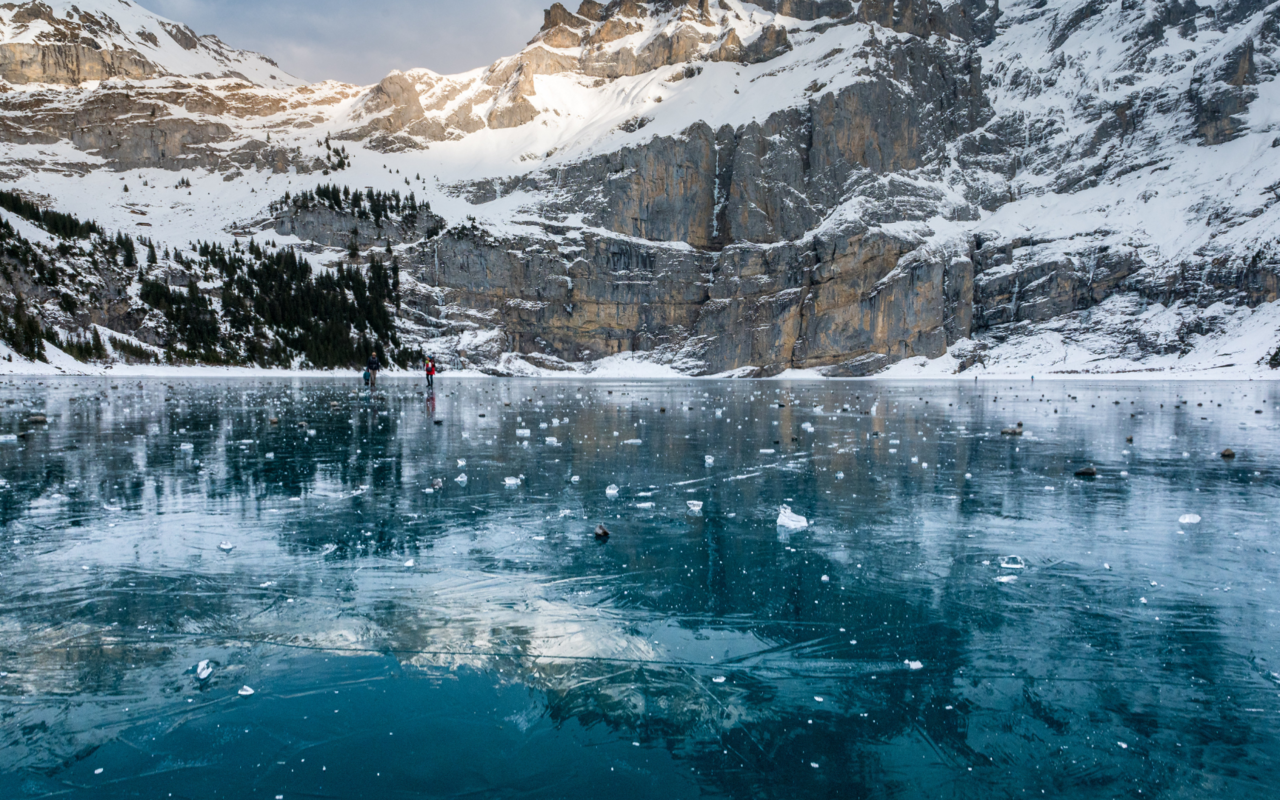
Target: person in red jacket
pixel 431 373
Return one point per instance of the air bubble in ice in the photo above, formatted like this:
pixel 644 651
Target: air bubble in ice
pixel 1012 562
pixel 462 479
pixel 709 460
pixel 523 433
pixel 226 547
pixel 694 505
pixel 409 563
pixel 511 481
pixel 1189 519
pixel 245 691
pixel 611 491
pixel 914 665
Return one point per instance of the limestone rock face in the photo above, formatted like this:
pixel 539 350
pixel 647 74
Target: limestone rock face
pixel 392 105
pixel 69 64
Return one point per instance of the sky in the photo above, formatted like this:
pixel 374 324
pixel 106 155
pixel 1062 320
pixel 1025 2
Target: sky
pixel 361 41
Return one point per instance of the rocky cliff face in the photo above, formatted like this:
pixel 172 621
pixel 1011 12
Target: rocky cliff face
pixel 723 185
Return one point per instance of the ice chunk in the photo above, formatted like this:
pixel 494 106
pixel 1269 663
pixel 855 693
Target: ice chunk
pixel 968 476
pixel 409 563
pixel 226 547
pixel 245 691
pixel 1006 579
pixel 462 462
pixel 542 426
pixel 204 670
pixel 709 460
pixel 311 432
pixel 1189 519
pixel 826 579
pixel 789 519
pixel 8 437
pixel 1012 562
pixel 270 456
pixel 632 441
pixel 808 427
pixel 186 446
pixel 694 505
pixel 553 441
pixel 523 433
pixel 611 491
pixel 462 479
pixel 768 452
pixel 718 679
pixel 575 479
pixel 839 476
pixel 511 481
pixel 645 506
pixel 914 665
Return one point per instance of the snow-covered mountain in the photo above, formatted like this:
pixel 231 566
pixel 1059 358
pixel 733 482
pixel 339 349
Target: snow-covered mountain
pixel 715 185
pixel 61 42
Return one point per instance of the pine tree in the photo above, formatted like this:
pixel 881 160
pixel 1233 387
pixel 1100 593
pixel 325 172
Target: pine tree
pixel 151 254
pixel 130 255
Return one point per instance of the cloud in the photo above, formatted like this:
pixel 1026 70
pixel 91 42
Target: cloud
pixel 360 42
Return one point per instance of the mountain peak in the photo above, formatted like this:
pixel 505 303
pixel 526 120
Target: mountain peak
pixel 68 43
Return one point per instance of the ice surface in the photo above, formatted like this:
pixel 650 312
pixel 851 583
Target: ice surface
pixel 493 625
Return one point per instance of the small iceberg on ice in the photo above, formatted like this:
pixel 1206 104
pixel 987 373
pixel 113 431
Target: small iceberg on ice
pixel 789 519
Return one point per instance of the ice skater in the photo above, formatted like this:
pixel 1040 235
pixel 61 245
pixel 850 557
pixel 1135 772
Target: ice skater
pixel 371 369
pixel 430 368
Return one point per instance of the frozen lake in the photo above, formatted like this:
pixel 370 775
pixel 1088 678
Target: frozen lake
pixel 962 616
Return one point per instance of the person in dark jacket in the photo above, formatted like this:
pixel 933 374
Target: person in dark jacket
pixel 373 366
